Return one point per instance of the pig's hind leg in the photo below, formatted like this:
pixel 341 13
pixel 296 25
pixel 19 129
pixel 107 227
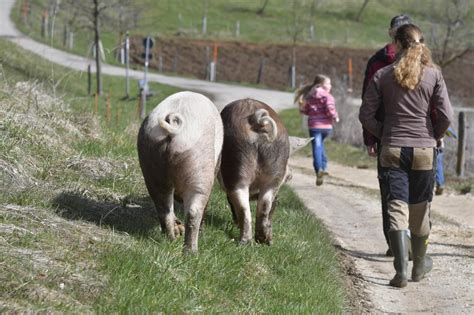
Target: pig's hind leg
pixel 240 204
pixel 263 223
pixel 169 224
pixel 194 208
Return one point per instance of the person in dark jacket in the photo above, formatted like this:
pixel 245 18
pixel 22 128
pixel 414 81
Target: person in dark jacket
pixel 409 91
pixel 380 59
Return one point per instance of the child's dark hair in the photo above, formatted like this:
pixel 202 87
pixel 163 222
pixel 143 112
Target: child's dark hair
pixel 318 81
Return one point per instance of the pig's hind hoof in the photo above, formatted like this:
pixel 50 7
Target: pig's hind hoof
pixel 178 228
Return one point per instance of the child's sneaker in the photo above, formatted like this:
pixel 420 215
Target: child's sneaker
pixel 319 178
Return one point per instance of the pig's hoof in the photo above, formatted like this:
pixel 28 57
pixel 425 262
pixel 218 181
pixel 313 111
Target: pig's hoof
pixel 243 242
pixel 188 251
pixel 262 240
pixel 178 228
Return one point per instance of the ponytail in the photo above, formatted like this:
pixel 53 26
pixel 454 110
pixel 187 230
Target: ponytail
pixel 415 56
pixel 303 91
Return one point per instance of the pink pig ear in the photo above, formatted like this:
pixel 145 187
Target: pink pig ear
pixel 297 143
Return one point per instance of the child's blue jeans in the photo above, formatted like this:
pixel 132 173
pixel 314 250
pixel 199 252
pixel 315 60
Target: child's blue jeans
pixel 319 154
pixel 440 168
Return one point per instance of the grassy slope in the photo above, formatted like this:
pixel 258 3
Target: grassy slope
pixel 78 232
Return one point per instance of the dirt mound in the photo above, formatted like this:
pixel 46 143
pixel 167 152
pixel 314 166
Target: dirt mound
pixel 241 62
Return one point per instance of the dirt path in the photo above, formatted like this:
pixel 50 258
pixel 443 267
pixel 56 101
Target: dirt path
pixel 348 203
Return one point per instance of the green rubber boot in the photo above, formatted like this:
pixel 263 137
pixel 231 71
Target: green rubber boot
pixel 389 252
pixel 399 244
pixel 422 263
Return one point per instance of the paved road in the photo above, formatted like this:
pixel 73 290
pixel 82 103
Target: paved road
pixel 221 94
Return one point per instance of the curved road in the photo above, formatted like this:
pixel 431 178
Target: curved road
pixel 221 94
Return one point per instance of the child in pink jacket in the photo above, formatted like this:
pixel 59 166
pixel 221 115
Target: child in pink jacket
pixel 315 101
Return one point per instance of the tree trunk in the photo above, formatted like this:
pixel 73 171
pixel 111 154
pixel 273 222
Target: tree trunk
pixel 262 9
pixel 359 15
pixel 97 47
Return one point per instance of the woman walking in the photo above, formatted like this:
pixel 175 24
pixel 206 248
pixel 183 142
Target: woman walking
pixel 408 91
pixel 315 101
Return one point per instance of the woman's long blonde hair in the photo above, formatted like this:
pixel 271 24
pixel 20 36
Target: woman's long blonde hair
pixel 414 56
pixel 319 79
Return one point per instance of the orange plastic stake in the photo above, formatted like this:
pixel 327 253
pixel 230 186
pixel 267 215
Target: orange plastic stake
pixel 349 74
pixel 215 53
pixel 108 108
pixel 349 66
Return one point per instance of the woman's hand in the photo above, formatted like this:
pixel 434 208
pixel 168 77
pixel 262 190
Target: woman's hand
pixel 372 150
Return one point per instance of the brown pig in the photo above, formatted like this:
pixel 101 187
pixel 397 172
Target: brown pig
pixel 254 164
pixel 179 146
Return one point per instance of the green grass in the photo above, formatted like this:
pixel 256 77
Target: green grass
pixel 153 275
pixel 79 233
pixel 338 152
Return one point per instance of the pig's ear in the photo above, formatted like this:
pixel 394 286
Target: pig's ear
pixel 297 143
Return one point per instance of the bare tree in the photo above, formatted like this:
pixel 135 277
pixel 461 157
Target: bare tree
pixel 96 20
pixel 358 17
pixel 298 21
pixel 204 17
pixel 125 19
pixel 315 4
pixel 261 10
pixel 95 15
pixel 452 32
pixel 70 15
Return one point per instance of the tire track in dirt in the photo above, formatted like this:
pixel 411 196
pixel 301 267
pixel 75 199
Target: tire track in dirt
pixel 352 213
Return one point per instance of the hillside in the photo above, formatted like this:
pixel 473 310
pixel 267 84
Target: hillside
pixel 268 65
pixel 265 40
pixel 334 22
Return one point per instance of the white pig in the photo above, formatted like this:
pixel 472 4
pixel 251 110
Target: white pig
pixel 179 147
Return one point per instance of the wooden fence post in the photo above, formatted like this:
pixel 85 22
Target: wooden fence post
pixel 89 80
pixel 207 62
pixel 70 45
pixel 44 24
pixel 292 76
pixel 237 29
pixel 65 35
pixel 461 145
pixel 260 71
pixel 142 104
pixel 25 11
